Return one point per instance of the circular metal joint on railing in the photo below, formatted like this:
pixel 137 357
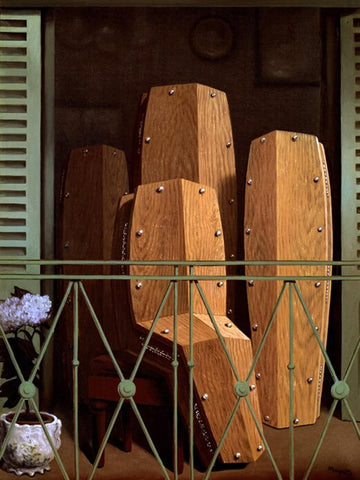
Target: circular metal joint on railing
pixel 27 390
pixel 242 389
pixel 340 390
pixel 127 388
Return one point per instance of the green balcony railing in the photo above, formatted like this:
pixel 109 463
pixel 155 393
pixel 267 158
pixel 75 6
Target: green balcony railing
pixel 75 287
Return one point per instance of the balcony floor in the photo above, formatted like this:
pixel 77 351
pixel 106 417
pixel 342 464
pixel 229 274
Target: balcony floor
pixel 339 457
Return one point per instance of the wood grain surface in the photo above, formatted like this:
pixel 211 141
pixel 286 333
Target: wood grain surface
pixel 96 178
pixel 181 221
pixel 214 383
pixel 178 223
pixel 288 217
pixel 185 132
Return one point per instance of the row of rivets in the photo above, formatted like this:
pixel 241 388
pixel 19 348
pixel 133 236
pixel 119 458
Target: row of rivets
pixel 267 419
pixel 250 181
pixel 256 326
pixel 148 140
pixel 248 230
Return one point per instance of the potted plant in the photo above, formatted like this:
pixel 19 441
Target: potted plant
pixel 28 450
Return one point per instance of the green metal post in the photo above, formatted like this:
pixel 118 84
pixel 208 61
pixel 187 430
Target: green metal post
pixel 291 367
pixel 191 376
pixel 76 363
pixel 175 365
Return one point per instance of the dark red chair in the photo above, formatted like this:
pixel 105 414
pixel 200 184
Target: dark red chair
pixel 103 389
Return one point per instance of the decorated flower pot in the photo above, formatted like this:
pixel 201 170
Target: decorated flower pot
pixel 28 450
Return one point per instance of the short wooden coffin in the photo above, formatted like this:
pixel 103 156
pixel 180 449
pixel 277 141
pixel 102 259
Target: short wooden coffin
pixel 185 132
pixel 96 177
pixel 288 217
pixel 180 220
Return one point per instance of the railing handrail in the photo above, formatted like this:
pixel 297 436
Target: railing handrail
pixel 56 262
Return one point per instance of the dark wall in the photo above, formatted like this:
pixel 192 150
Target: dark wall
pixel 278 67
pixel 267 61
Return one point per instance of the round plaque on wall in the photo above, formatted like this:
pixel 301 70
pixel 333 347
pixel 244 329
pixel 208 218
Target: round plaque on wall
pixel 212 38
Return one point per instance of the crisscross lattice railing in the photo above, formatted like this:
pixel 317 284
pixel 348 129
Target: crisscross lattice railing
pixel 126 387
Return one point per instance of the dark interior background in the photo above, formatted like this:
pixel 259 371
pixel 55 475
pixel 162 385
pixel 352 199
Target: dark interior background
pixel 278 66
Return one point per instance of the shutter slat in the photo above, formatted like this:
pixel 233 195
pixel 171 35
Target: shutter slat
pixel 13 29
pixel 13 116
pixel 12 243
pixel 8 187
pixel 13 86
pixel 12 201
pixel 16 72
pixel 12 101
pixel 16 229
pixel 13 215
pixel 13 144
pixel 8 57
pixel 13 43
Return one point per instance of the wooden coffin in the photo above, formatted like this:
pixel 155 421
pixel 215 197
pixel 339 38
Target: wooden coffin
pixel 179 219
pixel 288 217
pixel 185 132
pixel 96 177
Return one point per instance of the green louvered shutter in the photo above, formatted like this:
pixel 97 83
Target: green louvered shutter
pixel 20 107
pixel 350 196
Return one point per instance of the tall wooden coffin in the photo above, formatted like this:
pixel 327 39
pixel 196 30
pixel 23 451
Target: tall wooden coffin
pixel 288 217
pixel 96 177
pixel 180 220
pixel 185 132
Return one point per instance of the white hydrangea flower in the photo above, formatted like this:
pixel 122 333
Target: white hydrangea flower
pixel 31 310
